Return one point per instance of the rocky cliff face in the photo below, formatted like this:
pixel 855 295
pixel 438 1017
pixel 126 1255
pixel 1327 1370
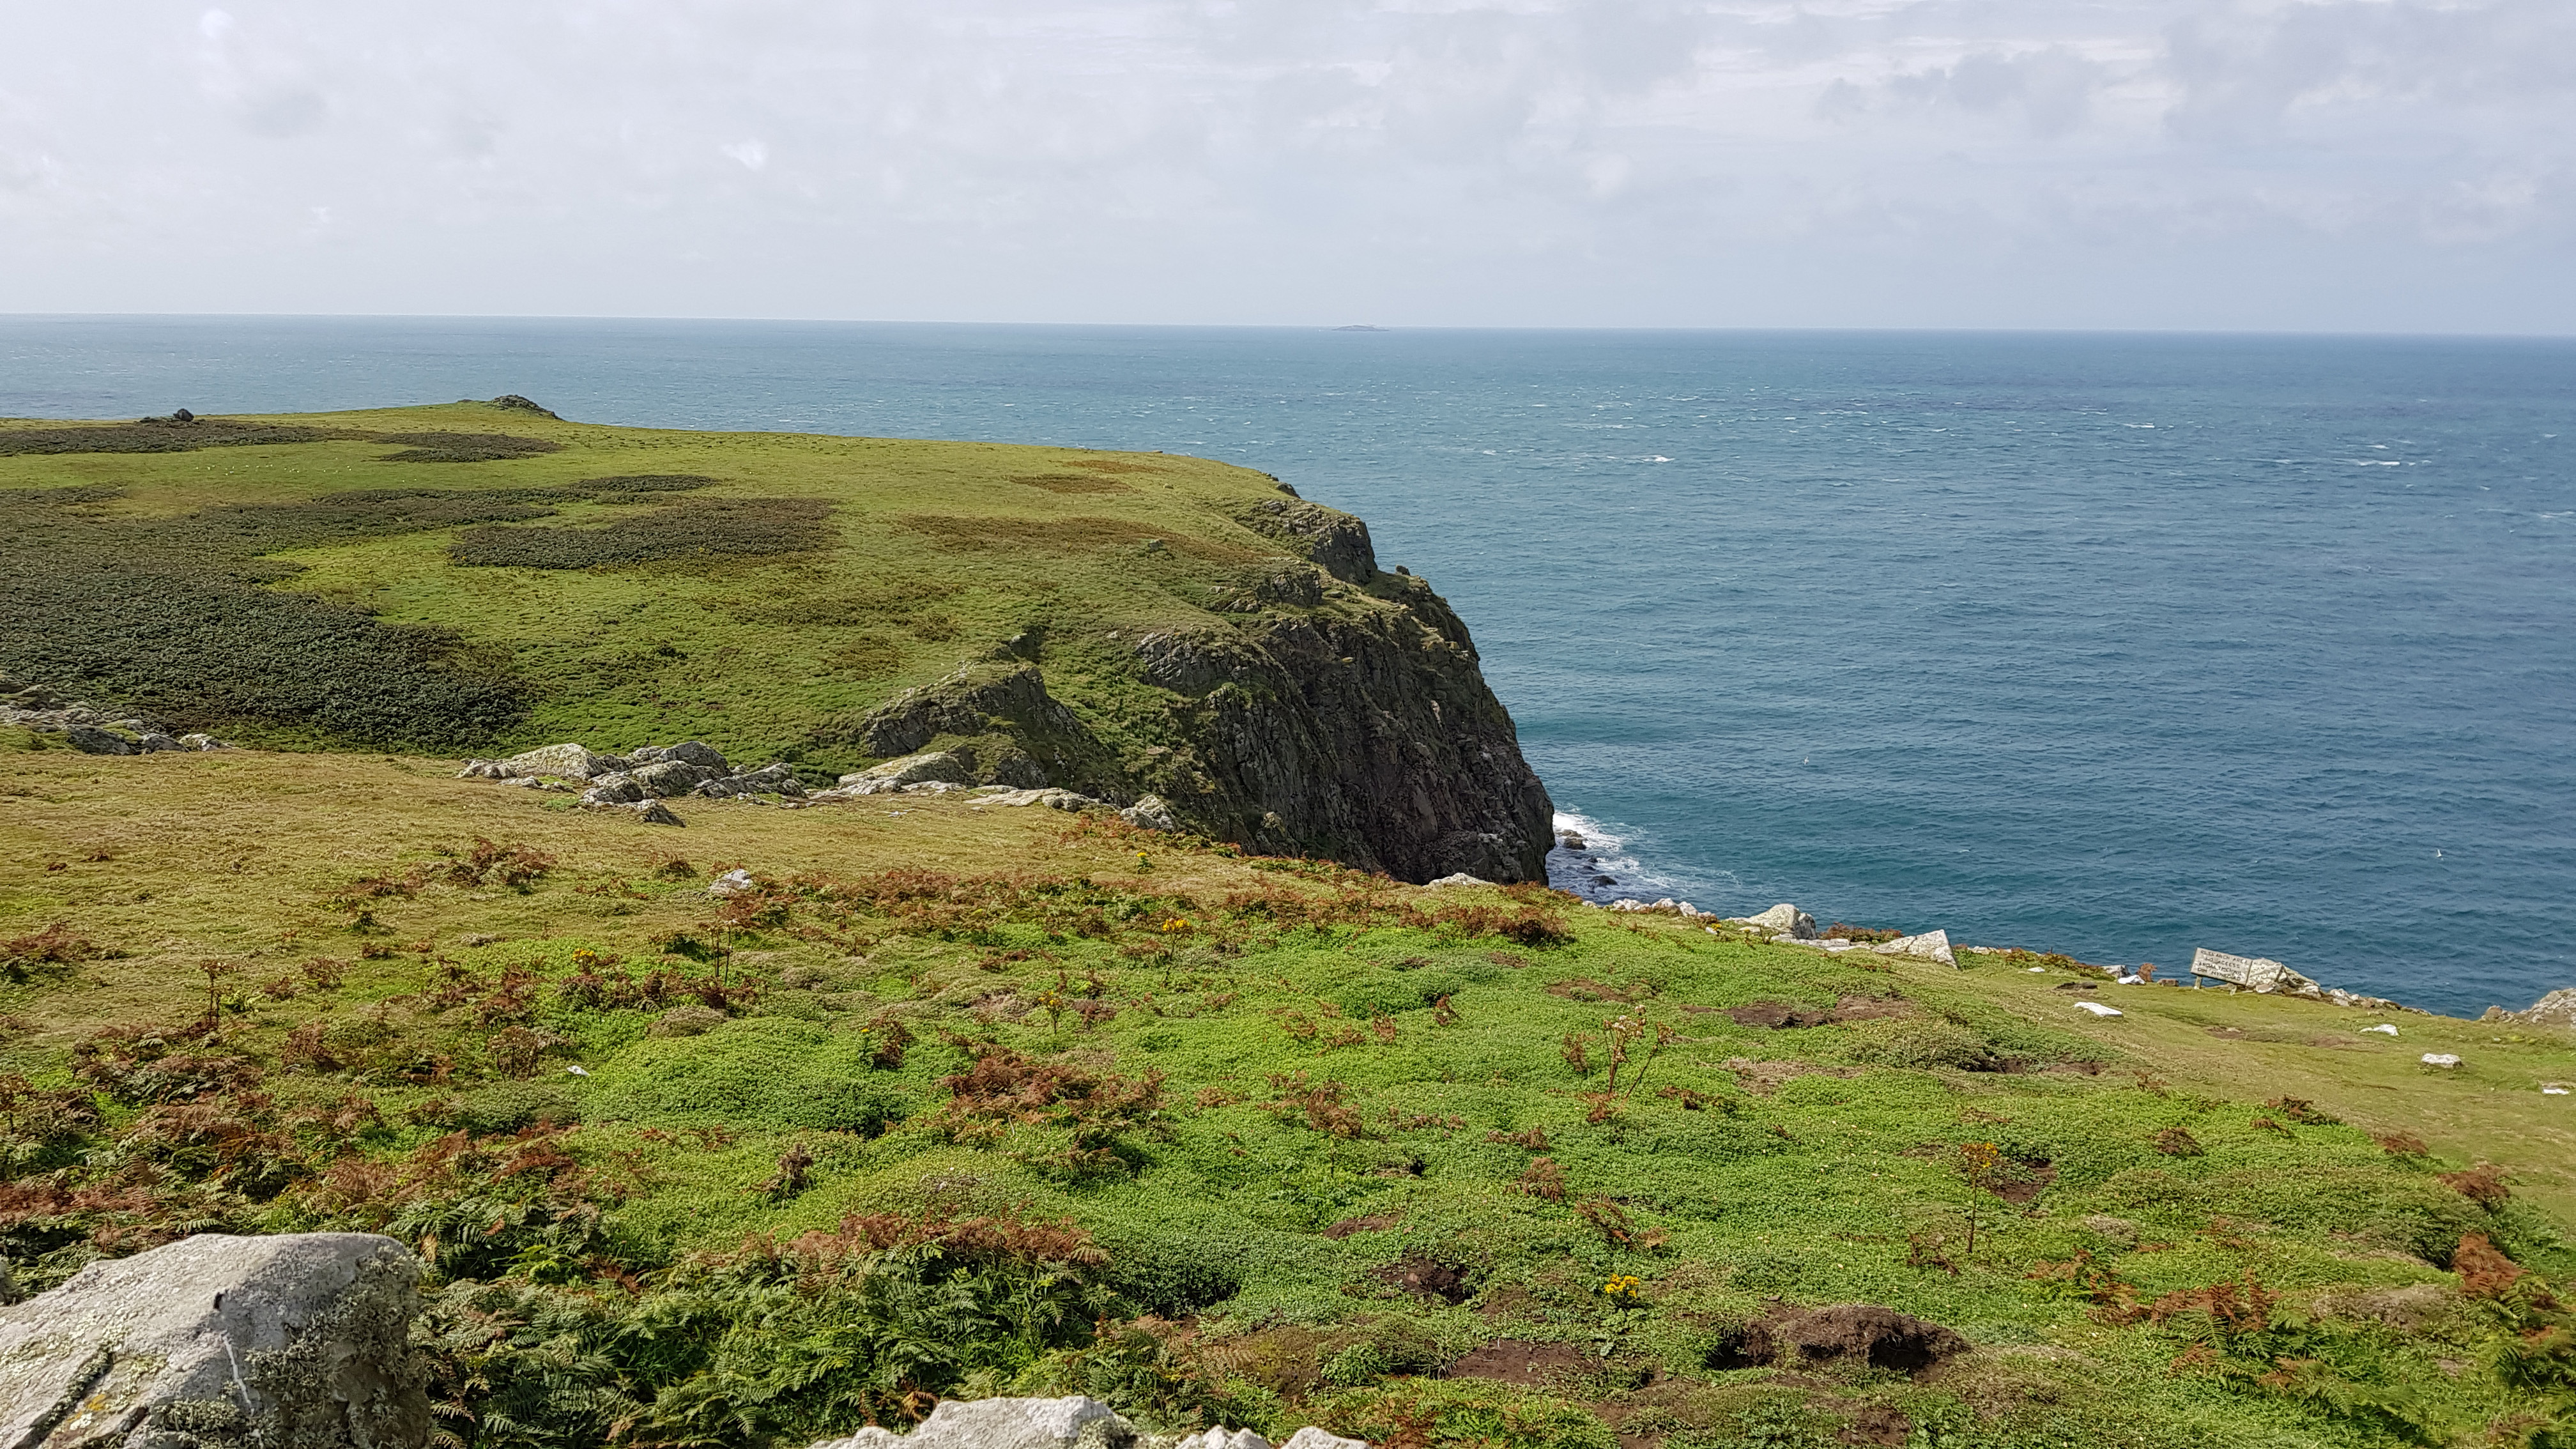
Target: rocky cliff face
pixel 1321 707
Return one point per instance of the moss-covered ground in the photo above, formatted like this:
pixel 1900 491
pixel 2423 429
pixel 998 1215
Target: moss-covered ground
pixel 958 1099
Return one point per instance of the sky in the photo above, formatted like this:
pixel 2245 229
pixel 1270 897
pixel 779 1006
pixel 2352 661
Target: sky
pixel 2298 165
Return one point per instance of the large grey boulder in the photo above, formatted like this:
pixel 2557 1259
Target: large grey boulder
pixel 893 775
pixel 565 762
pixel 221 1342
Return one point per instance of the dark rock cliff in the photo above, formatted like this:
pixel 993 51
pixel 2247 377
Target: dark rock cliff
pixel 1320 707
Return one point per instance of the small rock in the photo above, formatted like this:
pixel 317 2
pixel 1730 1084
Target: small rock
pixel 201 742
pixel 2443 1060
pixel 1464 879
pixel 617 789
pixel 1221 1437
pixel 1785 919
pixel 2385 1028
pixel 1311 1437
pixel 154 741
pixel 1150 812
pixel 732 883
pixel 1571 840
pixel 687 752
pixel 1929 946
pixel 2098 1009
pixel 654 812
pixel 663 779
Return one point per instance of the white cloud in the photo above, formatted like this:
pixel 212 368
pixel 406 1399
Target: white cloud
pixel 1843 162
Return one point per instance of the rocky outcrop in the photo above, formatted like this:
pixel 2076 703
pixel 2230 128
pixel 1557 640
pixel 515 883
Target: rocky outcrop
pixel 2558 1008
pixel 1362 730
pixel 1319 708
pixel 221 1342
pixel 1000 724
pixel 640 781
pixel 1332 540
pixel 86 728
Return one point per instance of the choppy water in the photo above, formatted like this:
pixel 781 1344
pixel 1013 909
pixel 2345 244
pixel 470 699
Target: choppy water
pixel 2116 645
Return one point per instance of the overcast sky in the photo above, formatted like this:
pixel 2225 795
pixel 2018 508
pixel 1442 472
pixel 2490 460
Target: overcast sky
pixel 2328 165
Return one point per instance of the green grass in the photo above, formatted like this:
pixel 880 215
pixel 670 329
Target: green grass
pixel 301 585
pixel 1315 1135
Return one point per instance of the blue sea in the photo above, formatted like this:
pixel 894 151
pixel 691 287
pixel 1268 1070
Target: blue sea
pixel 2115 645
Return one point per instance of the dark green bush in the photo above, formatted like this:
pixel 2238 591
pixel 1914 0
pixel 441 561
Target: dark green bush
pixel 156 435
pixel 166 617
pixel 1174 1274
pixel 736 528
pixel 462 447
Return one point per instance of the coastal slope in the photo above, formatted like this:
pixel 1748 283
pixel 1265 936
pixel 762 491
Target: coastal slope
pixel 484 577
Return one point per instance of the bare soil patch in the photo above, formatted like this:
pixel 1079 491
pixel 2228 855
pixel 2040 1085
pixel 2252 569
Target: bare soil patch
pixel 1519 1361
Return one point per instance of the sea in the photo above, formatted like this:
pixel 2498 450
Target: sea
pixel 2112 645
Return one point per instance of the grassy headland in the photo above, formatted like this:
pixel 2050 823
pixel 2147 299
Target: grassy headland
pixel 958 1099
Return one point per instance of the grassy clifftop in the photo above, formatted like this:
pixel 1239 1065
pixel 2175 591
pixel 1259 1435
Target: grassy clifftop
pixel 958 1099
pixel 479 578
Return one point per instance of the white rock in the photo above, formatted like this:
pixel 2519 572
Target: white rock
pixel 2098 1009
pixel 1930 946
pixel 2254 973
pixel 732 883
pixel 1311 1437
pixel 2385 1028
pixel 2553 1089
pixel 1464 879
pixel 1022 1424
pixel 1784 918
pixel 930 765
pixel 567 761
pixel 1152 812
pixel 1222 1437
pixel 2444 1060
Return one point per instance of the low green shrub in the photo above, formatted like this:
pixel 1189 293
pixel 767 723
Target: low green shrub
pixel 734 528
